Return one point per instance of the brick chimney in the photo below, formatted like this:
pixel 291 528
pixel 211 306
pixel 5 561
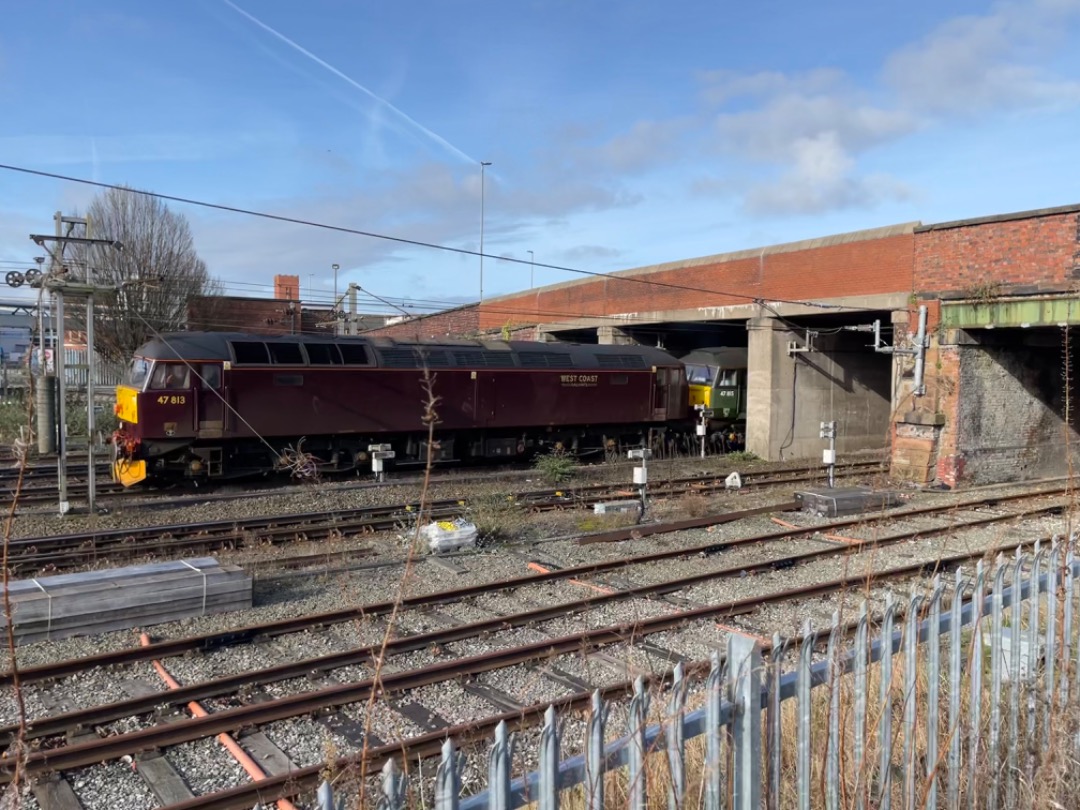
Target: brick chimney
pixel 287 288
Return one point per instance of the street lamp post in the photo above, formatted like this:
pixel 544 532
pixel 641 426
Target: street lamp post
pixel 333 311
pixel 532 267
pixel 483 165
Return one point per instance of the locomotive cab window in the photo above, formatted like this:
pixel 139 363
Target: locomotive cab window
pixel 699 375
pixel 323 354
pixel 286 354
pixel 169 377
pixel 138 373
pixel 211 376
pixel 354 354
pixel 250 352
pixel 727 377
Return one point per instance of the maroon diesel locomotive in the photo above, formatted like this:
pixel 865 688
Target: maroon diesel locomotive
pixel 212 405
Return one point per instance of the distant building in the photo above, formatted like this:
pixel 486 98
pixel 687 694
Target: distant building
pixel 284 314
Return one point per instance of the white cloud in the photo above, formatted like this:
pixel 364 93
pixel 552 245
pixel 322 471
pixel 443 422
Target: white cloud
pixel 780 128
pixel 979 63
pixel 722 86
pixel 822 178
pixel 809 130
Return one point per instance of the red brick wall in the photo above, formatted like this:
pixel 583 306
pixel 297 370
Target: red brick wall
pixel 287 288
pixel 459 322
pixel 266 316
pixel 867 267
pixel 1028 255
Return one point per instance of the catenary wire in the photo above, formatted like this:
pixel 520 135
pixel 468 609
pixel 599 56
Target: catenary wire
pixel 413 242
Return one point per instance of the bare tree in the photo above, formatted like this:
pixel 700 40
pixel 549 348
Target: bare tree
pixel 154 275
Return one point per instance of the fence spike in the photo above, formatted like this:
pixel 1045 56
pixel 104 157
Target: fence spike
pixel 911 676
pixel 956 662
pixel 1016 641
pixel 674 736
pixel 448 778
pixel 998 610
pixel 548 792
pixel 393 788
pixel 594 754
pixel 639 711
pixel 975 681
pixel 832 752
pixel 714 696
pixel 862 642
pixel 325 797
pixel 802 760
pixel 499 759
pixel 744 659
pixel 1066 627
pixel 933 693
pixel 1034 651
pixel 773 721
pixel 1050 665
pixel 885 738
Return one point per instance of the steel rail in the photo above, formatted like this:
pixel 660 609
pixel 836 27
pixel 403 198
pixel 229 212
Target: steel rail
pixel 429 745
pixel 168 734
pixel 72 549
pixel 241 635
pixel 58 724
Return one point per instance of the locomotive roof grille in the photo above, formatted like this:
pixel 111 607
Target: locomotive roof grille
pixel 399 358
pixel 620 360
pixel 545 360
pixel 488 359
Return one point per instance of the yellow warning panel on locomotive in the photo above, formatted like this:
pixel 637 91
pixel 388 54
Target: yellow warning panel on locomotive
pixel 127 404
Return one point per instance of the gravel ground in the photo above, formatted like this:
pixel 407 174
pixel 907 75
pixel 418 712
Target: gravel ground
pixel 528 686
pixel 450 701
pixel 206 766
pixel 305 741
pixel 308 741
pixel 112 785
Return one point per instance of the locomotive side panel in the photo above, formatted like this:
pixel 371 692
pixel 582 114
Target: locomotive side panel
pixel 566 397
pixel 369 401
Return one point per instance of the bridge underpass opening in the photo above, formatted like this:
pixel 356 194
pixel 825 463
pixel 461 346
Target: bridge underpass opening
pixel 799 380
pixel 1011 411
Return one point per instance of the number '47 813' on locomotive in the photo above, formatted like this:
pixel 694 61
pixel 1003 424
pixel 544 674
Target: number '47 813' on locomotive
pixel 212 405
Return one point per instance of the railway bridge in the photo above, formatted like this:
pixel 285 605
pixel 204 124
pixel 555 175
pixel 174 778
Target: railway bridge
pixel 995 401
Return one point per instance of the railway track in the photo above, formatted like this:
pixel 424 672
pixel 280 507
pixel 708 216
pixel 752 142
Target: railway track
pixel 39 485
pixel 448 668
pixel 60 552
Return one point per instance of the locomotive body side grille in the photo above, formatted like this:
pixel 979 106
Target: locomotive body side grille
pixel 482 359
pixel 620 361
pixel 545 360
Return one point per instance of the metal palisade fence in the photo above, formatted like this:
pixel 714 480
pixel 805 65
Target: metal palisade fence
pixel 959 696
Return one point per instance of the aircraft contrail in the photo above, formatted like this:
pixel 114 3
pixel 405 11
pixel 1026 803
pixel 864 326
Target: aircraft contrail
pixel 403 116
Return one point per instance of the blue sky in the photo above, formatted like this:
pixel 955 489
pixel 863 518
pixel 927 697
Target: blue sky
pixel 620 133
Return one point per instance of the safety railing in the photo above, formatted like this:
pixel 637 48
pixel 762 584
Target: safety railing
pixel 951 697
